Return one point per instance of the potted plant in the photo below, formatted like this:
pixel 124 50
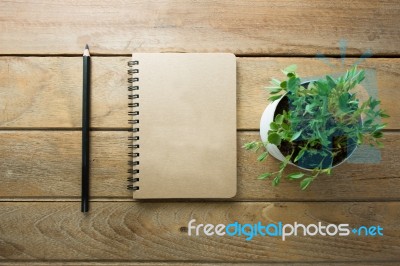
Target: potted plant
pixel 316 125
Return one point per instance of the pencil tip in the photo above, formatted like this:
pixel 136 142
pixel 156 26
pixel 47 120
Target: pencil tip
pixel 87 46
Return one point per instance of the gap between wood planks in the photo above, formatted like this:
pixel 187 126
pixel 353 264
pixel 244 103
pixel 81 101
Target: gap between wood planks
pixel 243 130
pixel 349 56
pixel 181 263
pixel 124 199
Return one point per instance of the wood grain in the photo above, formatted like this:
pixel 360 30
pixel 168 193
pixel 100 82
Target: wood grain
pixel 130 263
pixel 153 263
pixel 43 92
pixel 40 144
pixel 47 165
pixel 259 28
pixel 158 232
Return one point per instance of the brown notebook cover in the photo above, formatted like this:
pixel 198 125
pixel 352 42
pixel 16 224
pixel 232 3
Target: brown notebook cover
pixel 187 125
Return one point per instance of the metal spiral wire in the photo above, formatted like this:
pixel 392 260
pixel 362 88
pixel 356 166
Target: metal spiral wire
pixel 133 139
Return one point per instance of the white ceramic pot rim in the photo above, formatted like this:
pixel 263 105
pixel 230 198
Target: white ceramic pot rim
pixel 266 119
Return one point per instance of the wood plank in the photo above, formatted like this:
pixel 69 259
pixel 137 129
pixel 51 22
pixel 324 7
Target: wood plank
pixel 43 92
pixel 264 27
pixel 129 263
pixel 37 163
pixel 158 232
pixel 47 92
pixel 255 73
pixel 47 164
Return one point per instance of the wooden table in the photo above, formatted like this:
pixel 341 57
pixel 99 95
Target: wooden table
pixel 40 140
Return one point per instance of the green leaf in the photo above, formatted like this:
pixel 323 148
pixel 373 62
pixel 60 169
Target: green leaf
pixel 274 126
pixel 279 119
pixel 296 135
pixel 272 87
pixel 379 144
pixel 262 156
pixel 283 84
pixel 285 126
pixel 360 138
pixel 295 176
pixel 309 108
pixel 306 182
pixel 327 171
pixel 368 122
pixel 251 145
pixel 380 127
pixel 293 84
pixel 377 134
pixel 275 82
pixel 264 176
pixel 276 180
pixel 274 138
pixel 323 88
pixel 301 153
pixel 274 98
pixel 383 115
pixel 343 102
pixel 290 69
pixel 361 76
pixel 275 90
pixel 374 103
pixel 331 81
pixel 290 75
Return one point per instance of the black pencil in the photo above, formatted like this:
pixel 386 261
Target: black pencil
pixel 85 130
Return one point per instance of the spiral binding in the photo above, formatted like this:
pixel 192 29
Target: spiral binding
pixel 133 145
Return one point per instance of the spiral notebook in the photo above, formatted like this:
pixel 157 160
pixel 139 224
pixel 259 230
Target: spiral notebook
pixel 183 117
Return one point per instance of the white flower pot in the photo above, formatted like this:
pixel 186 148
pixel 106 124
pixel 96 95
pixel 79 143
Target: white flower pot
pixel 266 119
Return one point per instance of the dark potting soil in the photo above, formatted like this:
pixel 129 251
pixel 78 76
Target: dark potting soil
pixel 286 147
